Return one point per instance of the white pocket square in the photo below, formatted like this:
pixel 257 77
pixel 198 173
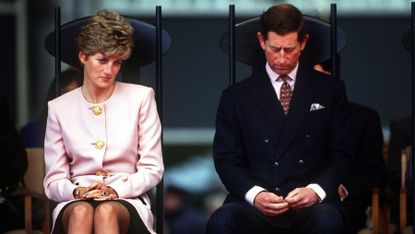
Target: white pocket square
pixel 316 106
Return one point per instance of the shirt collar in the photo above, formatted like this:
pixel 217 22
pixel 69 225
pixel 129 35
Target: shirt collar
pixel 274 76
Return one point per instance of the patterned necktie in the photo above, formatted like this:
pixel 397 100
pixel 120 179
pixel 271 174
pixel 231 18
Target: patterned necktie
pixel 285 93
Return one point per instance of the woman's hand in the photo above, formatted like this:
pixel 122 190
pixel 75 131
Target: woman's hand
pixel 79 192
pixel 99 191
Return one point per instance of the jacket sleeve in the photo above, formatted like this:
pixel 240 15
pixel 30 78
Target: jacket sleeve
pixel 57 184
pixel 150 164
pixel 228 150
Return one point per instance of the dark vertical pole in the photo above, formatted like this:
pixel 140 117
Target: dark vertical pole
pixel 159 92
pixel 231 44
pixel 57 49
pixel 413 103
pixel 333 39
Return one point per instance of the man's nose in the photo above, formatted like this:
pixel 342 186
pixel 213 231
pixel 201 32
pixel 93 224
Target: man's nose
pixel 281 56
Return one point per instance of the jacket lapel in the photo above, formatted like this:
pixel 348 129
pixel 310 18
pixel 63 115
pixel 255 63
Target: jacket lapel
pixel 264 95
pixel 299 108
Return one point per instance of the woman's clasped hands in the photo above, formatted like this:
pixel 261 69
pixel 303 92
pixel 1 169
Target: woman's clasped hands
pixel 96 191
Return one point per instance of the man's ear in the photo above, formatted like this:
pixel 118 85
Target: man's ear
pixel 261 40
pixel 304 42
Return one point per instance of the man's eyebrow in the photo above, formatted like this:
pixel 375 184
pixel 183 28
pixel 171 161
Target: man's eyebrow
pixel 281 47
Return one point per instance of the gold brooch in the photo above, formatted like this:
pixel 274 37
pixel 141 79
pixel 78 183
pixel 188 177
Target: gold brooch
pixel 99 144
pixel 97 110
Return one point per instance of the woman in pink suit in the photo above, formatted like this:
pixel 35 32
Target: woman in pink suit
pixel 102 144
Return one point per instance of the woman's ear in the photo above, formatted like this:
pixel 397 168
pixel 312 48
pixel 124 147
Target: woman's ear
pixel 82 57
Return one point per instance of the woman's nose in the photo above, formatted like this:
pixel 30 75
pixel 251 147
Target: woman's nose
pixel 108 68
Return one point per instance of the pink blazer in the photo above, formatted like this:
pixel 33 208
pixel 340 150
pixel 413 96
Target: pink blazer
pixel 123 140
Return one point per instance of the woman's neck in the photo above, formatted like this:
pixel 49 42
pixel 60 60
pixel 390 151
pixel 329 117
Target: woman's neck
pixel 95 94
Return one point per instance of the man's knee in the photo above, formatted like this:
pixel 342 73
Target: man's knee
pixel 235 218
pixel 328 219
pixel 218 221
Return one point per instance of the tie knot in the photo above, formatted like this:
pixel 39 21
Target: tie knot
pixel 284 78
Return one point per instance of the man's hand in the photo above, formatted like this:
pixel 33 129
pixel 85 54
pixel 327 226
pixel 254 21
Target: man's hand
pixel 270 204
pixel 301 198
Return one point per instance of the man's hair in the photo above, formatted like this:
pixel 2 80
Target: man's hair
pixel 108 33
pixel 283 19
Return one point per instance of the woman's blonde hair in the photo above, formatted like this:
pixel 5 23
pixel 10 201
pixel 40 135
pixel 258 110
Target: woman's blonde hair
pixel 108 33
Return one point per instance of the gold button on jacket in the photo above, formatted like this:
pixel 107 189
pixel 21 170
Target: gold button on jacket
pixel 99 144
pixel 97 110
pixel 101 173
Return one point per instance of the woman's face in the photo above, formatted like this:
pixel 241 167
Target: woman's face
pixel 100 71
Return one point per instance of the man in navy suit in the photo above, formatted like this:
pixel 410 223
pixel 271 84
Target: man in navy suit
pixel 282 170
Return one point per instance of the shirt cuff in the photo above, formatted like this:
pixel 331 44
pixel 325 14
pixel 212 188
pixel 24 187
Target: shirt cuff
pixel 318 190
pixel 252 193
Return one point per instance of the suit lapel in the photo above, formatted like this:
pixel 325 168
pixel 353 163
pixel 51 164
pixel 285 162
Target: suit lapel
pixel 299 108
pixel 264 95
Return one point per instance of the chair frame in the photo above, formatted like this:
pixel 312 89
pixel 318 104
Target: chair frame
pixel 403 220
pixel 32 190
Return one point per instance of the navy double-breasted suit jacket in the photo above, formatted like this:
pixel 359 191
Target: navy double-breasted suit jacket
pixel 256 144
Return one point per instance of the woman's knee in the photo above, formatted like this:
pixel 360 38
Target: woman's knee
pixel 78 215
pixel 105 211
pixel 111 211
pixel 111 217
pixel 81 210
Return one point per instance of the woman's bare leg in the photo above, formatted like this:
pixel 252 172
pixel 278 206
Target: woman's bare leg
pixel 78 217
pixel 111 217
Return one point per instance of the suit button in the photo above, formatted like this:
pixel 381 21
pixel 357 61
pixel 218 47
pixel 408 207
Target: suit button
pixel 99 144
pixel 101 173
pixel 266 140
pixel 276 164
pixel 300 162
pixel 307 136
pixel 97 110
pixel 277 189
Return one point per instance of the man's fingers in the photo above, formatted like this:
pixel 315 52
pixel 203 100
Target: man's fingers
pixel 292 198
pixel 273 208
pixel 276 209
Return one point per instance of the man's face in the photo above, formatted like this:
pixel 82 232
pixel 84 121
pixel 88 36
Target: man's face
pixel 282 51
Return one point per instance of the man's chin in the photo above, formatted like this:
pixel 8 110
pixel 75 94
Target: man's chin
pixel 282 71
